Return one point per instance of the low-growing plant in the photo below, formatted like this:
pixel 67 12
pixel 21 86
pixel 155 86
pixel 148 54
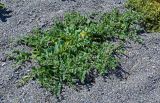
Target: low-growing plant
pixel 150 9
pixel 77 45
pixel 1 5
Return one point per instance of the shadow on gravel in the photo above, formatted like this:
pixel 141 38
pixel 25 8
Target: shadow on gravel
pixel 69 0
pixel 119 73
pixel 4 14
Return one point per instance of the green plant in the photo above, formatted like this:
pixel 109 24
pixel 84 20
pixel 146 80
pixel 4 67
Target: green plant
pixel 1 5
pixel 77 45
pixel 150 9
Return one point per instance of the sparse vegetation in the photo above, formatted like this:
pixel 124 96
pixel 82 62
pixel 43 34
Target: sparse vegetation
pixel 150 9
pixel 77 45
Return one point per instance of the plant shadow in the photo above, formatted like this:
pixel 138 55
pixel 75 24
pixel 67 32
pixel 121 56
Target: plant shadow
pixel 69 0
pixel 4 14
pixel 119 73
pixel 90 80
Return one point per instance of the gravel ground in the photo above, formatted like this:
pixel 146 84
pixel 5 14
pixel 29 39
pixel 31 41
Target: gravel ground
pixel 138 81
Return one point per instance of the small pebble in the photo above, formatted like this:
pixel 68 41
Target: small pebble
pixel 3 64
